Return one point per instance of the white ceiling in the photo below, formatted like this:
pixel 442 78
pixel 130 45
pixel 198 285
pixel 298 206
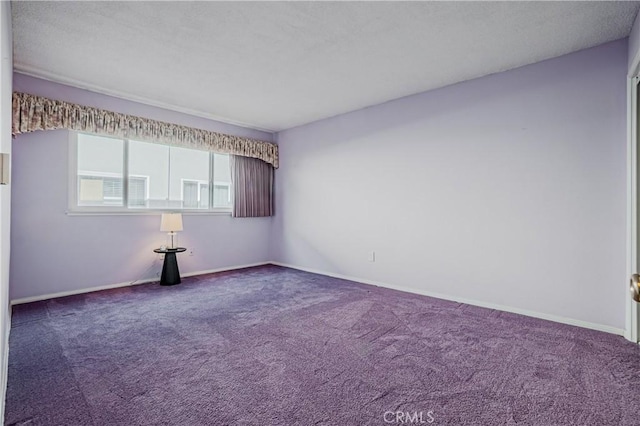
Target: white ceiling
pixel 276 65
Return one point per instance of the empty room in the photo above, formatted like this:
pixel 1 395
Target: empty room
pixel 319 213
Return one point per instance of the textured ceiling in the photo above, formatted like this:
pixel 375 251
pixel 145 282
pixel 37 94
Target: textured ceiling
pixel 276 65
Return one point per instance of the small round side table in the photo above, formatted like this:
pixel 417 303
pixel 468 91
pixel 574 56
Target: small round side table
pixel 170 273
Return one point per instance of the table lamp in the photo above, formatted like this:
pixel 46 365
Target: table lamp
pixel 171 223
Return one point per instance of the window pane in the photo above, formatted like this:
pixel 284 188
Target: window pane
pixel 221 196
pixel 189 169
pixel 112 188
pixel 149 161
pixel 159 176
pixel 221 181
pixel 204 196
pixel 100 171
pixel 172 175
pixel 137 191
pixel 190 194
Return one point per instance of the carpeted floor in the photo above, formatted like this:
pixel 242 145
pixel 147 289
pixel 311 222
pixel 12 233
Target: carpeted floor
pixel 274 346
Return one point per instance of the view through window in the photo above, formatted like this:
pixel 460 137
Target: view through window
pixel 155 176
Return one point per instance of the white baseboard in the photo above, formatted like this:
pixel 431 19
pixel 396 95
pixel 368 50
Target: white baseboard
pixel 125 284
pixel 525 312
pixel 534 314
pixel 226 268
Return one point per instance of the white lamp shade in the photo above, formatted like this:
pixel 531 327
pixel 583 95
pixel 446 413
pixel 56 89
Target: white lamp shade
pixel 171 222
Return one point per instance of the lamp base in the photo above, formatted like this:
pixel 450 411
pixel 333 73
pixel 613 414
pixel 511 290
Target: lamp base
pixel 172 241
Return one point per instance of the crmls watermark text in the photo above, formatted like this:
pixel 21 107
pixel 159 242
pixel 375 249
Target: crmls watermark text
pixel 406 417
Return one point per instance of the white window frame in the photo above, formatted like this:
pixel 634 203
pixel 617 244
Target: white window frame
pixel 74 209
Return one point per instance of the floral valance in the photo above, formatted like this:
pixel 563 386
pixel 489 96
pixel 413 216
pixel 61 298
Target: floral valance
pixel 31 113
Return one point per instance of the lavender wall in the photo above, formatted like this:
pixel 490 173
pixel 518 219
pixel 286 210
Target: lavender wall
pixel 53 252
pixel 507 190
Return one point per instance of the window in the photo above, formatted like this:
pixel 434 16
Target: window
pixel 222 193
pixel 138 191
pixel 195 194
pixel 222 182
pixel 96 190
pixel 204 195
pixel 155 176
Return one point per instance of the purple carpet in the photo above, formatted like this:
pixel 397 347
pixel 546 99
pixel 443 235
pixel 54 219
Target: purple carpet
pixel 275 346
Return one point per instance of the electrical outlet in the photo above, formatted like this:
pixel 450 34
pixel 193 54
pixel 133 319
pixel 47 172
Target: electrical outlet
pixel 372 256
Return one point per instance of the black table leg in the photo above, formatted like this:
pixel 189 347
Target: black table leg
pixel 170 272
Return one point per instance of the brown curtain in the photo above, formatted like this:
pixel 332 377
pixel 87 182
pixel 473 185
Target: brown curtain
pixel 31 113
pixel 252 181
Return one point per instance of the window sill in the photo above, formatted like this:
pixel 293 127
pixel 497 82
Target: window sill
pixel 131 212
